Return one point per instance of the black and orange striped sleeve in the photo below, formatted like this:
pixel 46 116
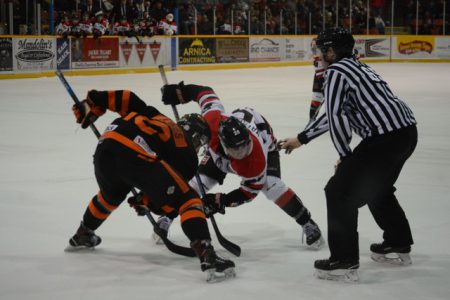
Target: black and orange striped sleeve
pixel 120 101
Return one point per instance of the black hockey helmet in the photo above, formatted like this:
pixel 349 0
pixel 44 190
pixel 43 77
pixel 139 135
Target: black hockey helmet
pixel 234 138
pixel 197 128
pixel 338 38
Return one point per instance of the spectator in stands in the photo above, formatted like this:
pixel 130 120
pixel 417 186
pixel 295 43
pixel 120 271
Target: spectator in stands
pixel 205 26
pixel 225 27
pixel 122 10
pixel 158 11
pixel 379 24
pixel 147 7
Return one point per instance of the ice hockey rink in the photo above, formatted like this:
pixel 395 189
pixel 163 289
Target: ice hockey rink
pixel 47 180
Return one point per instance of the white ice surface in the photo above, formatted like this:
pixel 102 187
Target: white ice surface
pixel 47 180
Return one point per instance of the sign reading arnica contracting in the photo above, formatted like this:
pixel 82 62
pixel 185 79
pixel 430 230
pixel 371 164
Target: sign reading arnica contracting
pixel 196 51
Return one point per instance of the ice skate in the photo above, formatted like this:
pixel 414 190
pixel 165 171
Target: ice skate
pixel 164 224
pixel 314 238
pixel 345 271
pixel 384 253
pixel 84 238
pixel 216 268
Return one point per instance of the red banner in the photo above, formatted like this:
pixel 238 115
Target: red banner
pixel 95 53
pixel 140 48
pixel 126 51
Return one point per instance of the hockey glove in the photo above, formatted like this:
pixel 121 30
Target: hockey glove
pixel 214 203
pixel 88 112
pixel 173 94
pixel 139 203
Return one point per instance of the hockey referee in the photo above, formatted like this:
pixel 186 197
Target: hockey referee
pixel 357 99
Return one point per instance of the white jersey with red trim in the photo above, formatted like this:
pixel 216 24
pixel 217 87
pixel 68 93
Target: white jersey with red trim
pixel 252 169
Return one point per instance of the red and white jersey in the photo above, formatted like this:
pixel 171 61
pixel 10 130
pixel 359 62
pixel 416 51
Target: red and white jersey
pixel 120 27
pixel 167 27
pixel 319 71
pixel 63 28
pixel 252 169
pixel 101 26
pixel 86 26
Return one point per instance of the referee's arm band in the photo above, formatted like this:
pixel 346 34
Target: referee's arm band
pixel 302 138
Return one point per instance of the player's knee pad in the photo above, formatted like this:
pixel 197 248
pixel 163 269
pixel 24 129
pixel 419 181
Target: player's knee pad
pixel 274 188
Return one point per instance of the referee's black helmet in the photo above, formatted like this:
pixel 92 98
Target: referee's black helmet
pixel 338 38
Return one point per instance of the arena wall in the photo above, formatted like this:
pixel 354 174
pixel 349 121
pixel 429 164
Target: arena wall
pixel 38 56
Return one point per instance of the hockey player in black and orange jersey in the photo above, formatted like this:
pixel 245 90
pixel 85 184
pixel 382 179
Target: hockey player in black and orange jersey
pixel 144 149
pixel 241 143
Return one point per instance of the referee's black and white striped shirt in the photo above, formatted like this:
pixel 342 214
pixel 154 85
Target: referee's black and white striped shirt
pixel 357 98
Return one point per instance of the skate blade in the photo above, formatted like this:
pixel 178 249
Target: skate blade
pixel 397 259
pixel 317 245
pixel 348 276
pixel 213 277
pixel 71 248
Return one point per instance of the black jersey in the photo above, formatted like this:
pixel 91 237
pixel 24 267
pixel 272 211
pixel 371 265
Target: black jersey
pixel 145 131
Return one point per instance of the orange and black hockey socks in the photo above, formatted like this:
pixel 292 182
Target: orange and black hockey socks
pixel 97 212
pixel 193 220
pixel 293 206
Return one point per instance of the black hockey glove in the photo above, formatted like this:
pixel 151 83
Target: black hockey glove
pixel 139 203
pixel 173 94
pixel 214 203
pixel 88 112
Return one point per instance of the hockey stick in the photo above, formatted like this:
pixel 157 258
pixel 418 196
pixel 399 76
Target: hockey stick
pixel 171 246
pixel 228 245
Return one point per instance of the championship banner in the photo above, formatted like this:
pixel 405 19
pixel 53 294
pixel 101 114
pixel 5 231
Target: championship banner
pixel 34 54
pixel 196 51
pixel 95 53
pixel 230 50
pixel 296 49
pixel 442 47
pixel 6 55
pixel 62 54
pixel 265 49
pixel 145 52
pixel 414 46
pixel 373 47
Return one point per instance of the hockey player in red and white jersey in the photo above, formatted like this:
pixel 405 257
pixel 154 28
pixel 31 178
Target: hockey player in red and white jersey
pixel 86 25
pixel 242 143
pixel 168 26
pixel 122 27
pixel 101 24
pixel 64 28
pixel 319 70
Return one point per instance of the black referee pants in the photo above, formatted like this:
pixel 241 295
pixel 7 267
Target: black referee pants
pixel 368 177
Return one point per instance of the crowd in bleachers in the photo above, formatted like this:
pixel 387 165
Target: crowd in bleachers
pixel 147 18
